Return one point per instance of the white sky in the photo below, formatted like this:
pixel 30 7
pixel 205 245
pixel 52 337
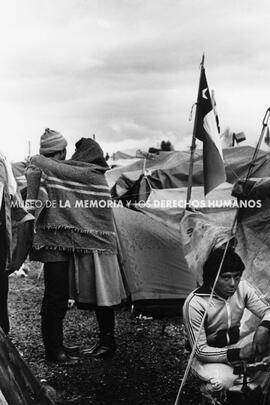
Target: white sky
pixel 128 70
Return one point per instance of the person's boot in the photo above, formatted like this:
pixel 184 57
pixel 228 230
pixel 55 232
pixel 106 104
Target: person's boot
pixel 52 333
pixel 68 349
pixel 59 355
pixel 105 348
pixel 48 333
pixel 89 350
pixel 106 345
pixel 71 349
pixel 61 358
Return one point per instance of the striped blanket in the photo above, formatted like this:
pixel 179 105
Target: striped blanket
pixel 73 206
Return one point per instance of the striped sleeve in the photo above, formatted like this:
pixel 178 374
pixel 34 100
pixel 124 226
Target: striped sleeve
pixel 255 301
pixel 193 312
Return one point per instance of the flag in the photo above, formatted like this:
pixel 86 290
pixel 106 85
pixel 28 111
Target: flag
pixel 206 130
pixel 239 137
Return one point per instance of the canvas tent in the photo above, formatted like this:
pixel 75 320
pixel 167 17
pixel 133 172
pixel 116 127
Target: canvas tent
pixel 121 159
pixel 18 386
pixel 253 234
pixel 163 180
pixel 166 205
pixel 152 258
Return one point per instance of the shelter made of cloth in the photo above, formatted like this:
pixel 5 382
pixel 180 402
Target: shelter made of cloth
pixel 253 231
pixel 152 258
pixel 171 170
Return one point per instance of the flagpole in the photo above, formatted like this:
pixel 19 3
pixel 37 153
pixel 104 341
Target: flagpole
pixel 193 144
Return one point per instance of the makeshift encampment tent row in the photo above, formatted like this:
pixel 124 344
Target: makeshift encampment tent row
pixel 171 169
pixel 159 181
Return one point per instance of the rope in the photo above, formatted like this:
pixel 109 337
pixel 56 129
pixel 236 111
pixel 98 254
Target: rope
pixel 177 401
pixel 148 182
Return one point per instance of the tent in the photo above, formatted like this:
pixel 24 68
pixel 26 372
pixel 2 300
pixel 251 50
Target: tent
pixel 170 170
pixel 167 205
pixel 121 159
pixel 152 258
pixel 253 233
pixel 152 254
pixel 154 185
pixel 18 386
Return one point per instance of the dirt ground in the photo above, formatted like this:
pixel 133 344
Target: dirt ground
pixel 146 369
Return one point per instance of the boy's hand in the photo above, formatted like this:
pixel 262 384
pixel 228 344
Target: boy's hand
pixel 247 352
pixel 261 341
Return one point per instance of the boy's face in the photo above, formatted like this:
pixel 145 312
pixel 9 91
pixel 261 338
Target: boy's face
pixel 227 284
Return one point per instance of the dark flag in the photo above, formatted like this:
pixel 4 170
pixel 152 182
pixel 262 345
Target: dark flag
pixel 207 131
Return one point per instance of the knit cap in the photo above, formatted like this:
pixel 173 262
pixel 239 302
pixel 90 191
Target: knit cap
pixel 51 141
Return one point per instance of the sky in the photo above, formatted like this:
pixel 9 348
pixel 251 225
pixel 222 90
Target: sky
pixel 128 70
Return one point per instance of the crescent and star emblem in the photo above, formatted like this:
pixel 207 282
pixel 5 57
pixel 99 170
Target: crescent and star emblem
pixel 203 93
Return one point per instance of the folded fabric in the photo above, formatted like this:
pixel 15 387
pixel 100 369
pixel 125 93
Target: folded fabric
pixel 73 206
pixel 199 235
pixel 14 249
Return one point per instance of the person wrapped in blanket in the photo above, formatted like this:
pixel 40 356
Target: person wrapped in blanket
pixel 95 278
pixel 55 300
pixel 15 234
pixel 77 244
pixel 221 341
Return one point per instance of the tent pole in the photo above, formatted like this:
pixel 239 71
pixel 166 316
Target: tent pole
pixel 190 174
pixel 264 129
pixel 193 144
pixel 237 217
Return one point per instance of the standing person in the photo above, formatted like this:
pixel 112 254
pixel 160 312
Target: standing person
pixel 55 301
pixel 15 234
pixel 96 281
pixel 221 340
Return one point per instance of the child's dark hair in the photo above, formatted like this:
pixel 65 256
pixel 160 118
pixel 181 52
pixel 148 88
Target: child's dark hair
pixel 232 263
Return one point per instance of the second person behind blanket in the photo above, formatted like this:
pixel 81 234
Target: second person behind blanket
pixel 95 278
pixel 76 244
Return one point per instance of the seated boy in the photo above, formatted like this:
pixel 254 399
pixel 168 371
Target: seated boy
pixel 221 341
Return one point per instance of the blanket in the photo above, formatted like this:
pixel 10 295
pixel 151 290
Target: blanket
pixel 73 206
pixel 15 227
pixel 199 235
